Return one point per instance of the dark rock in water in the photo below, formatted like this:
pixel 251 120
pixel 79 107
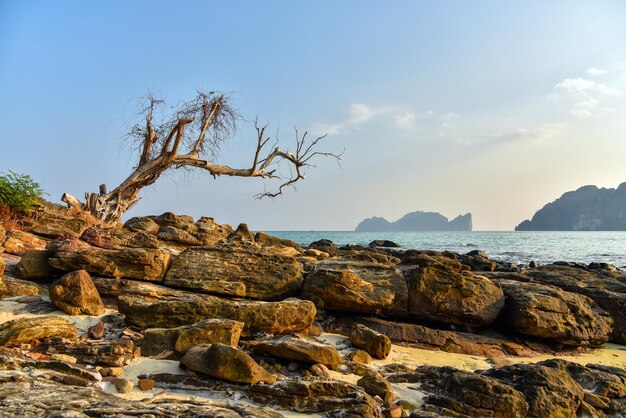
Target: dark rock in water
pixel 181 339
pixel 235 271
pixel 478 260
pixel 417 221
pixel 185 308
pixel 361 287
pixel 374 343
pixel 547 312
pixel 26 330
pixel 34 397
pixel 383 243
pixel 585 209
pixel 453 392
pixel 533 264
pixel 325 245
pixel 442 289
pixel 300 348
pixel 75 294
pixel 225 362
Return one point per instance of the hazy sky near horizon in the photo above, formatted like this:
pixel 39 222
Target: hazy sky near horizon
pixel 489 107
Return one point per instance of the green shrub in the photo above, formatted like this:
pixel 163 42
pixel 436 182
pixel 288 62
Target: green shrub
pixel 19 192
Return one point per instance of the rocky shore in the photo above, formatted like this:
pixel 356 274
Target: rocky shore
pixel 169 316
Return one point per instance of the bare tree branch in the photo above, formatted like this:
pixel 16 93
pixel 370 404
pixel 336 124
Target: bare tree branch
pixel 192 138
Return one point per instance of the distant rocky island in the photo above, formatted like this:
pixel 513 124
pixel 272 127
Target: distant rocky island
pixel 587 209
pixel 417 221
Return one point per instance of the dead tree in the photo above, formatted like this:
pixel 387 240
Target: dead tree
pixel 191 137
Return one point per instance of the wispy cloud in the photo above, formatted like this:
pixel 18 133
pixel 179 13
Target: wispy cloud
pixel 596 71
pixel 586 94
pixel 406 120
pixel 358 113
pixel 537 134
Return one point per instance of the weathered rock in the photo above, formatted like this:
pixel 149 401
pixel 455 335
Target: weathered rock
pixel 284 317
pixel 59 225
pixel 142 224
pixel 35 397
pixel 353 286
pixel 117 287
pixel 360 356
pixel 241 234
pixel 235 271
pixel 171 233
pixel 114 353
pixel 2 267
pixel 18 242
pixel 549 391
pixel 434 339
pixel 146 384
pixel 34 265
pixel 606 287
pixel 300 348
pixel 266 239
pixel 114 238
pixel 210 232
pixel 332 398
pixel 550 313
pixel 225 362
pixel 376 385
pixel 442 290
pixel 466 393
pixel 96 332
pixel 10 286
pixel 75 294
pixel 137 263
pixel 477 260
pixel 181 339
pixel 375 343
pixel 12 360
pixel 25 330
pixel 123 385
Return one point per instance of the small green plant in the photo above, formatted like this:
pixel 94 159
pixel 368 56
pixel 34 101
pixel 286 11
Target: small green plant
pixel 19 192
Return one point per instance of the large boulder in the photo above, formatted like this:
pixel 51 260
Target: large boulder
pixel 184 308
pixel 34 265
pixel 75 294
pixel 443 290
pixel 357 286
pixel 26 330
pixel 549 391
pixel 454 392
pixel 236 271
pixel 547 312
pixel 181 339
pixel 300 348
pixel 136 263
pixel 225 362
pixel 375 343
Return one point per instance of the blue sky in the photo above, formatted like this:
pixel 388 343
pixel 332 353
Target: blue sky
pixel 488 107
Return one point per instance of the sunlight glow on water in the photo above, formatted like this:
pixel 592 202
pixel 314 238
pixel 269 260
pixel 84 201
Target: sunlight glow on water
pixel 515 247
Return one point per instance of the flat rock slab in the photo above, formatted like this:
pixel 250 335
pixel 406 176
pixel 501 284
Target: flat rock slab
pixel 300 348
pixel 136 263
pixel 284 317
pixel 34 397
pixel 236 271
pixel 25 330
pixel 357 286
pixel 113 353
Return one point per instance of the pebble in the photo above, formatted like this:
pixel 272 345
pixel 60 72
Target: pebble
pixel 123 385
pixel 146 384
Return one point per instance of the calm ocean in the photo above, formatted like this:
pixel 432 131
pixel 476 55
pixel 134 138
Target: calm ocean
pixel 516 247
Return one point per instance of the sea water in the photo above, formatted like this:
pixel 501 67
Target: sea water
pixel 515 247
